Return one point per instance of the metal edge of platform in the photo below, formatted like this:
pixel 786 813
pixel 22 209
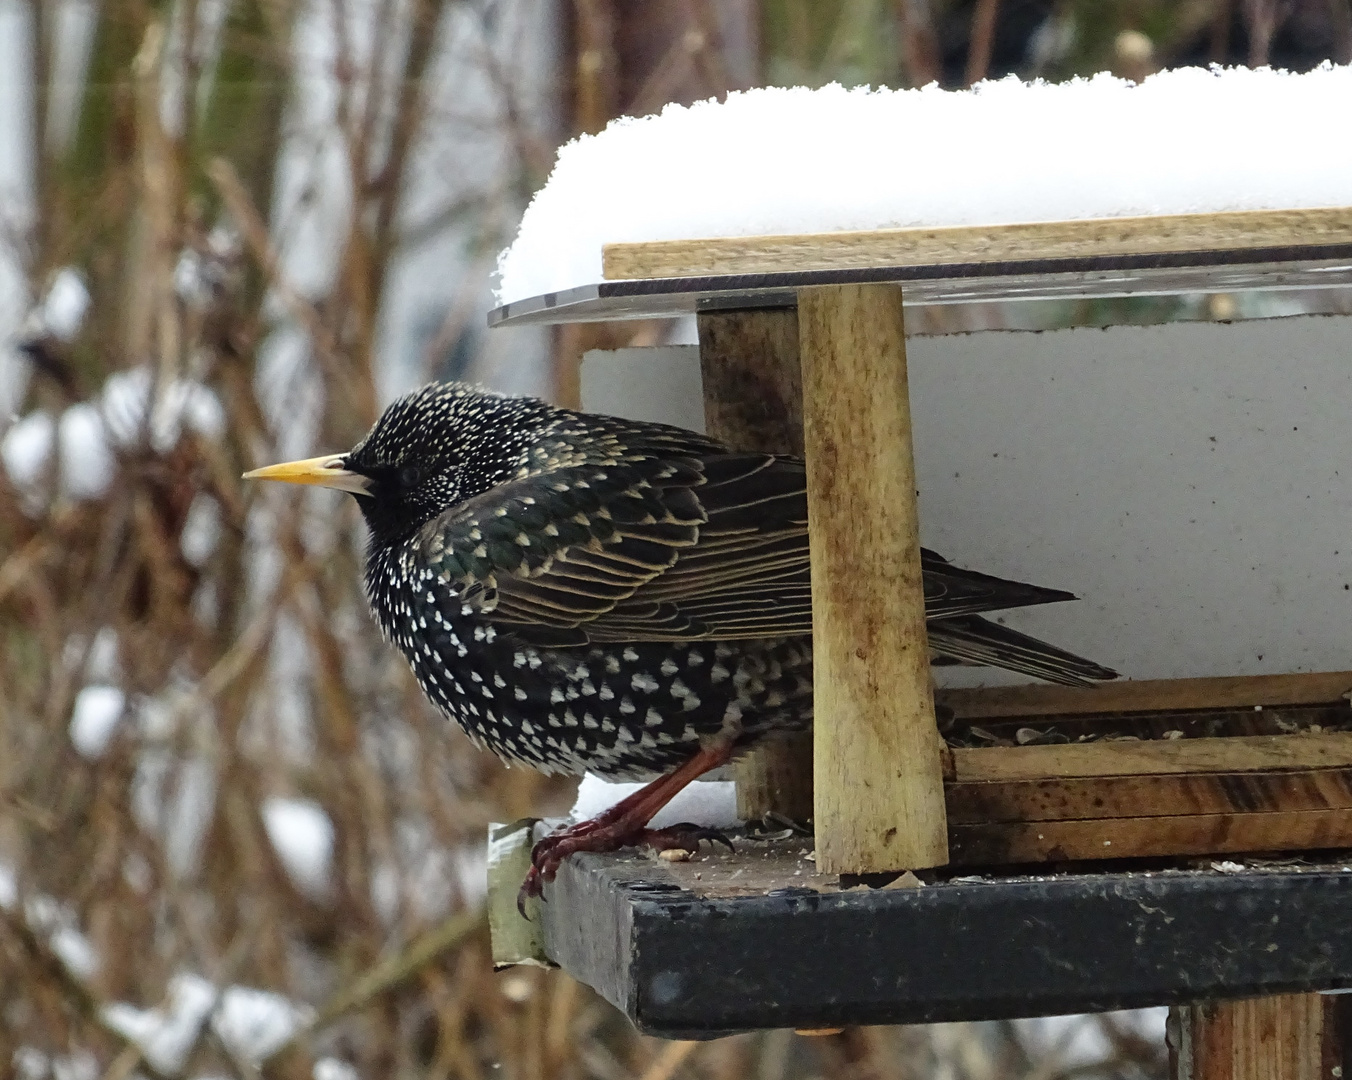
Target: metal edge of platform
pixel 1093 277
pixel 683 966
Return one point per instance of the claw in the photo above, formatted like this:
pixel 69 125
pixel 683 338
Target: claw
pixel 625 824
pixel 532 886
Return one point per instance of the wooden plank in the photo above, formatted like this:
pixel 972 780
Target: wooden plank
pixel 1128 757
pixel 879 798
pixel 1009 843
pixel 1284 1037
pixel 800 950
pixel 1148 796
pixel 753 400
pixel 1225 231
pixel 1155 695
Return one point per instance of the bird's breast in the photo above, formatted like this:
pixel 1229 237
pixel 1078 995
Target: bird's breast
pixel 615 709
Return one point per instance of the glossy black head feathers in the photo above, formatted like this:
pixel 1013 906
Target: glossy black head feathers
pixel 437 447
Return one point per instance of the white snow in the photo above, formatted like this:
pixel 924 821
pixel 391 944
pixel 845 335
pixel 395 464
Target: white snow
pixel 76 952
pixel 255 1023
pixel 334 1069
pixel 166 1035
pixel 794 160
pixel 9 887
pixel 251 1023
pixel 187 809
pixel 201 529
pixel 26 448
pixel 94 718
pixel 30 1063
pixel 1077 1043
pixel 65 305
pixel 77 1065
pixel 712 803
pixel 181 404
pixel 104 661
pixel 302 835
pixel 87 464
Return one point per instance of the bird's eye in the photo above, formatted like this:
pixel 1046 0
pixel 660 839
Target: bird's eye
pixel 410 476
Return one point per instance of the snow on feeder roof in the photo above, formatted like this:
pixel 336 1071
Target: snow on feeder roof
pixel 797 161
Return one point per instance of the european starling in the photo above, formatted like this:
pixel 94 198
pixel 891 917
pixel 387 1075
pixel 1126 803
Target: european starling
pixel 584 593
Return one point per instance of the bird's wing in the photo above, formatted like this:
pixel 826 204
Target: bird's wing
pixel 661 547
pixel 646 549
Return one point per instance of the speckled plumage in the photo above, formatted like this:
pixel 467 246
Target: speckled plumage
pixel 586 593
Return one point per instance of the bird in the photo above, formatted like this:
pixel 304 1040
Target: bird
pixel 585 593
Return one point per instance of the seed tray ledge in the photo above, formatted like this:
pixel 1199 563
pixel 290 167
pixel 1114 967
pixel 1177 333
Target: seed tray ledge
pixel 758 939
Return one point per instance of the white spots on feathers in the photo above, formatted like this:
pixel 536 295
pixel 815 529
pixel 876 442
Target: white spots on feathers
pixel 643 682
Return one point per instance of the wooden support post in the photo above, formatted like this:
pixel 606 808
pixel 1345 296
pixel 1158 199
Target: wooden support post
pixel 1285 1037
pixel 753 400
pixel 877 770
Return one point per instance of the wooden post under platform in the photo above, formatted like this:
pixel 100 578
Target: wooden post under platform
pixel 878 774
pixel 753 400
pixel 1284 1037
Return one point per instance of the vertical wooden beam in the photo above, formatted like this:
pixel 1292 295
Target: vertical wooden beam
pixel 753 400
pixel 877 774
pixel 1284 1037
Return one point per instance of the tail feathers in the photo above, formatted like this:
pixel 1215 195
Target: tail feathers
pixel 974 640
pixel 952 590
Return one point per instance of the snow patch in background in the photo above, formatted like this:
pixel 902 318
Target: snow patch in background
pixel 333 1069
pixel 86 434
pixel 1077 1043
pixel 180 405
pixel 26 448
pixel 255 1023
pixel 201 529
pixel 87 464
pixel 302 835
pixel 9 887
pixel 63 309
pixel 792 160
pixel 94 718
pixel 712 803
pixel 166 1035
pixel 251 1023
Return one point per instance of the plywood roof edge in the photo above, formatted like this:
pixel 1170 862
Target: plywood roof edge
pixel 1229 230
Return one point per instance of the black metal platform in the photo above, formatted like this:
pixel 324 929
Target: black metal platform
pixel 757 939
pixel 1269 269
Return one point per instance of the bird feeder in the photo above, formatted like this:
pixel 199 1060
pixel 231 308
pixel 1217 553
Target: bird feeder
pixel 962 876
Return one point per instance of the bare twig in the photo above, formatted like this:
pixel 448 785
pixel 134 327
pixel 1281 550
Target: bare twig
pixel 389 974
pixel 983 40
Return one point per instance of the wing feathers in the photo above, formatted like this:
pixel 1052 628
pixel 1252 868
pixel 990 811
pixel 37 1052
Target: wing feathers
pixel 711 545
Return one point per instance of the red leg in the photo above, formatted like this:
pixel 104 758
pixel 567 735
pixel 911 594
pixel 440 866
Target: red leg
pixel 625 823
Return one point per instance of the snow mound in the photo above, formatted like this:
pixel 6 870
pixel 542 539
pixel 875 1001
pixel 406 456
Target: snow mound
pixel 794 160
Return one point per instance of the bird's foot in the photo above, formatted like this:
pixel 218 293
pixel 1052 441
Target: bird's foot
pixel 599 834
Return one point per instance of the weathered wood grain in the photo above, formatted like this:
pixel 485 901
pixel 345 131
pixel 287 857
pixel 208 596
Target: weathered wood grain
pixel 1226 231
pixel 877 775
pixel 1148 796
pixel 753 384
pixel 1132 758
pixel 1310 688
pixel 1009 843
pixel 1284 1037
pixel 753 400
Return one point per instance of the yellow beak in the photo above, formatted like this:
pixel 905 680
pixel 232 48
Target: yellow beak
pixel 326 471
